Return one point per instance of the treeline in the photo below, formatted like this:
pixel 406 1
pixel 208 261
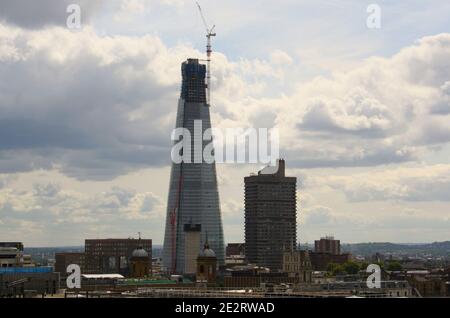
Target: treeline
pixel 353 267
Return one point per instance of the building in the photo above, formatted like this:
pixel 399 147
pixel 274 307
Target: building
pixel 17 245
pixel 320 261
pixel 424 282
pixel 65 259
pixel 28 261
pixel 10 257
pixel 140 262
pixel 327 245
pixel 18 274
pixel 270 216
pixel 18 281
pixel 327 250
pixel 113 256
pixel 298 264
pixel 193 196
pixel 206 265
pixel 234 249
pixel 255 276
pixel 192 234
pixel 11 254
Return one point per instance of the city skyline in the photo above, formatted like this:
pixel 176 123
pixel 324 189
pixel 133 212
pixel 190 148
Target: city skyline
pixel 86 115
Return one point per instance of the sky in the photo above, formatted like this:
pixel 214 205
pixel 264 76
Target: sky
pixel 86 115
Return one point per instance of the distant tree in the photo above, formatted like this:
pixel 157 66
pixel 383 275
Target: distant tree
pixel 334 269
pixel 394 266
pixel 363 266
pixel 351 267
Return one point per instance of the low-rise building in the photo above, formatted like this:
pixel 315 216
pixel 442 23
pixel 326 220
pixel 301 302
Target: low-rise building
pixel 255 276
pixel 298 264
pixel 112 256
pixel 65 259
pixel 10 257
pixel 234 249
pixel 15 281
pixel 320 261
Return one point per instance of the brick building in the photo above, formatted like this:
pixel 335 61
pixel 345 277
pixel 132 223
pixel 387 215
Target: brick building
pixel 235 249
pixel 327 245
pixel 62 260
pixel 112 256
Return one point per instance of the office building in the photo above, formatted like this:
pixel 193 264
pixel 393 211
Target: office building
pixel 63 260
pixel 112 256
pixel 235 249
pixel 270 216
pixel 193 195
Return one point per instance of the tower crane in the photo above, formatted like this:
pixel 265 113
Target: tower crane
pixel 209 34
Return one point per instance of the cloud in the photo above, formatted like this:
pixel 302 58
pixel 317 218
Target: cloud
pixel 51 211
pixel 41 13
pixel 387 110
pixel 96 107
pixel 318 215
pixel 89 106
pixel 425 183
pixel 279 57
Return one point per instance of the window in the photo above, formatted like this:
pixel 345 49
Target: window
pixel 123 262
pixel 112 262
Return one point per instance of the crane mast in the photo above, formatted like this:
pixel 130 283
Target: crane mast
pixel 209 34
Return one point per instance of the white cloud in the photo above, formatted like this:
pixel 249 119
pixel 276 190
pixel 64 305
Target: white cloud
pixel 378 113
pixel 50 211
pixel 279 57
pixel 419 183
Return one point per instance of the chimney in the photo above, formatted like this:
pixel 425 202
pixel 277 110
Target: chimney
pixel 281 168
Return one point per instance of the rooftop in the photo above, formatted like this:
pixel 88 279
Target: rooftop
pixel 102 276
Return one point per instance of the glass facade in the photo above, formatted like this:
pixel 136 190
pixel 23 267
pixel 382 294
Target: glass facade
pixel 193 194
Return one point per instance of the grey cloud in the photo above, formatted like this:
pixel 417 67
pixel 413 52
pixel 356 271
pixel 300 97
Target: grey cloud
pixel 430 64
pixel 50 211
pixel 34 14
pixel 89 118
pixel 405 188
pixel 357 114
pixel 368 156
pixel 318 215
pixel 46 190
pixel 442 105
pixel 98 107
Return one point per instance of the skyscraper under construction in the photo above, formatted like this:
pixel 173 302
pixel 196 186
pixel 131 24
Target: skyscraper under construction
pixel 193 195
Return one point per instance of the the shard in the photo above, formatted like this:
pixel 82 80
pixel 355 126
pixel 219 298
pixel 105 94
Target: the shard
pixel 193 197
